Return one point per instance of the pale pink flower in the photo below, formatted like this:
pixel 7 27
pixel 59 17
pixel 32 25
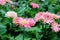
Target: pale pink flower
pixel 2 2
pixel 39 16
pixel 34 5
pixel 26 22
pixel 47 18
pixel 55 27
pixel 44 16
pixel 11 14
pixel 55 16
pixel 9 1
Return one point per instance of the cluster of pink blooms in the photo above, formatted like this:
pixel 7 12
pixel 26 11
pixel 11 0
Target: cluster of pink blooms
pixel 34 5
pixel 46 17
pixel 3 2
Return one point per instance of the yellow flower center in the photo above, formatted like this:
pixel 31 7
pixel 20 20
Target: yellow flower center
pixel 46 19
pixel 23 22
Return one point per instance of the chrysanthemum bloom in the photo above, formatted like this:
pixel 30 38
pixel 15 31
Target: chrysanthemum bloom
pixel 39 16
pixel 17 20
pixel 55 27
pixel 44 16
pixel 47 18
pixel 26 22
pixel 34 5
pixel 55 16
pixel 9 1
pixel 2 2
pixel 11 14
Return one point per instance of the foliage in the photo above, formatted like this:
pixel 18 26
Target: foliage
pixel 9 31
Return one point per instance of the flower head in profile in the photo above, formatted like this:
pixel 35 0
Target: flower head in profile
pixel 39 16
pixel 55 27
pixel 55 16
pixel 11 14
pixel 34 5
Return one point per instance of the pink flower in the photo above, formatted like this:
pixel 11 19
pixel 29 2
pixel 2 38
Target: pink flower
pixel 34 5
pixel 17 20
pixel 31 21
pixel 47 18
pixel 2 2
pixel 55 27
pixel 11 14
pixel 26 22
pixel 44 16
pixel 55 16
pixel 9 1
pixel 39 16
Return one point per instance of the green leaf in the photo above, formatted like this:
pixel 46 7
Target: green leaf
pixel 55 38
pixel 34 29
pixel 38 36
pixel 19 37
pixel 11 38
pixel 0 19
pixel 25 38
pixel 58 20
pixel 47 26
pixel 33 39
pixel 51 8
pixel 2 29
pixel 53 2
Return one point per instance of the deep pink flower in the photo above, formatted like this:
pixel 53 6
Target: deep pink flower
pixel 55 27
pixel 34 5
